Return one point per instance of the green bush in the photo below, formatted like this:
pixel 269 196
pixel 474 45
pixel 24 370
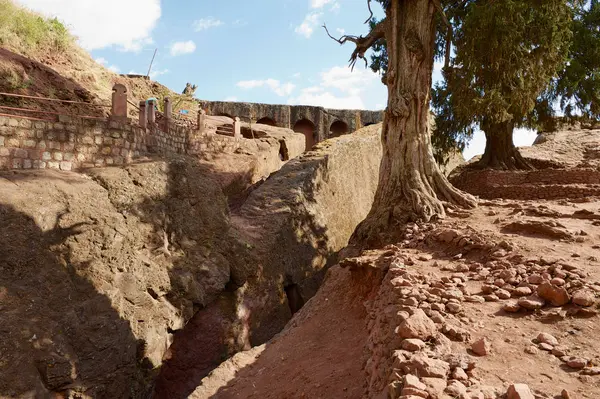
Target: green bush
pixel 25 31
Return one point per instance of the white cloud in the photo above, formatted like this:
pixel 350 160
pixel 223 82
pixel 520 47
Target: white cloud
pixel 340 88
pixel 296 75
pixel 207 23
pixel 157 72
pixel 307 27
pixel 341 31
pixel 100 24
pixel 180 48
pixel 327 100
pixel 276 86
pixel 320 3
pixel 101 61
pixel 114 68
pixel 231 99
pixel 348 81
pixel 313 89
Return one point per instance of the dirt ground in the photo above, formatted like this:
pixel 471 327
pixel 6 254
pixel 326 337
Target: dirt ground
pixel 326 350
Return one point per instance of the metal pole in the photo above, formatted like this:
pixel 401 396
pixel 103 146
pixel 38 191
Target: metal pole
pixel 151 62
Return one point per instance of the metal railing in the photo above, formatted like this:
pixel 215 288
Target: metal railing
pixel 17 112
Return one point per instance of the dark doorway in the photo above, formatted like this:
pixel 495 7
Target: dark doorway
pixel 338 128
pixel 283 151
pixel 307 128
pixel 266 121
pixel 295 300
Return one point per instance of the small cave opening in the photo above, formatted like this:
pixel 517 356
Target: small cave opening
pixel 284 154
pixel 294 297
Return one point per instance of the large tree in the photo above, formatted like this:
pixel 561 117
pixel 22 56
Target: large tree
pixel 411 185
pixel 507 53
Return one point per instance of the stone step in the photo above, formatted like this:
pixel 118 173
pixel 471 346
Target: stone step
pixel 534 191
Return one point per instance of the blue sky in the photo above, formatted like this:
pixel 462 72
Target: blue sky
pixel 271 51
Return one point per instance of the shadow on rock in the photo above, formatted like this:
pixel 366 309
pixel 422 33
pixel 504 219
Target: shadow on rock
pixel 57 333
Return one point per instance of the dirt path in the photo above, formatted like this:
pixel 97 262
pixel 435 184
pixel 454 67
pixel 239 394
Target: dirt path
pixel 319 355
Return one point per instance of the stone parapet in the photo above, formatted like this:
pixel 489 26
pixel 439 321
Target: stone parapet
pixel 69 144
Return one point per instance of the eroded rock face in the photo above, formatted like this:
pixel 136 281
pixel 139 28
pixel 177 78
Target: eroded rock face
pixel 297 220
pixel 98 271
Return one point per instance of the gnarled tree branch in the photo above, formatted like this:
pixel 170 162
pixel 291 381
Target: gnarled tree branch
pixel 363 43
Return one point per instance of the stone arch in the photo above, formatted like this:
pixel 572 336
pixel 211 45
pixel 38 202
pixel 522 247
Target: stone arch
pixel 308 129
pixel 267 121
pixel 338 128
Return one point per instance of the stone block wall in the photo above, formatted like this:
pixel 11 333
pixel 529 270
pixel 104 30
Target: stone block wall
pixel 530 185
pixel 288 115
pixel 67 144
pixel 173 141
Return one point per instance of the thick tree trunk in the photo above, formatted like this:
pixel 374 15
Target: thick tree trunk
pixel 500 151
pixel 411 185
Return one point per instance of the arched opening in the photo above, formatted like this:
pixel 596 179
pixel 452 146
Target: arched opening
pixel 266 121
pixel 307 128
pixel 294 297
pixel 369 124
pixel 338 128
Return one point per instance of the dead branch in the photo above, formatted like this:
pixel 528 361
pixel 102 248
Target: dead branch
pixel 440 9
pixel 363 43
pixel 370 11
pixel 343 39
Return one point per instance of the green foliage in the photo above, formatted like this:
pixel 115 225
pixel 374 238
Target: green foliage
pixel 24 31
pixel 577 87
pixel 379 56
pixel 507 52
pixel 452 132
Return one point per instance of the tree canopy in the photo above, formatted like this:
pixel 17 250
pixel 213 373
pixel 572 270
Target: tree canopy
pixel 513 61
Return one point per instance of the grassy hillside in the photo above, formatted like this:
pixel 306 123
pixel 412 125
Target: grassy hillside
pixel 28 33
pixel 55 66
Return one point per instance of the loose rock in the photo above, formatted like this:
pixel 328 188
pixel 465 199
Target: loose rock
pixel 512 307
pixel 412 381
pixel 532 302
pixel 584 298
pixel 413 345
pixel 481 347
pixel 547 339
pixel 519 391
pixel 417 326
pixel 577 363
pixel 557 296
